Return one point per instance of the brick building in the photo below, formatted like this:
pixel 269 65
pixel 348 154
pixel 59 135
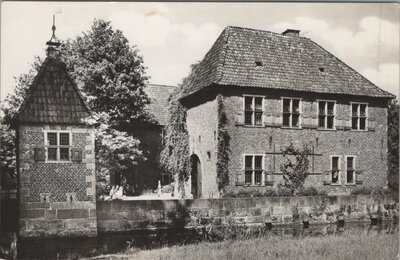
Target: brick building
pixel 279 89
pixel 55 155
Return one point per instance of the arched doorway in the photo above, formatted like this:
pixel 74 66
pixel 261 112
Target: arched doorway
pixel 196 176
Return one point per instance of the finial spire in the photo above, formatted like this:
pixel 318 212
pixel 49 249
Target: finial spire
pixel 53 40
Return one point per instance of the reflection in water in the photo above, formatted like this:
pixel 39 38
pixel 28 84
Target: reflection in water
pixel 73 248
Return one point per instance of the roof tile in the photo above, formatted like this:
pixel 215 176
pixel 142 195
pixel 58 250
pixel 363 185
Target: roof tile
pixel 287 62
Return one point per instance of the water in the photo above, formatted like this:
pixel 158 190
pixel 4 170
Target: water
pixel 74 248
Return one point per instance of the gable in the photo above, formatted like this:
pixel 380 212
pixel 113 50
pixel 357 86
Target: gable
pixel 53 97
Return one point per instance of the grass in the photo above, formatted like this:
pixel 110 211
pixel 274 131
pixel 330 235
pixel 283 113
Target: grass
pixel 348 245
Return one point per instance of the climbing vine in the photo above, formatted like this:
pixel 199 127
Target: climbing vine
pixel 174 157
pixel 223 150
pixel 295 173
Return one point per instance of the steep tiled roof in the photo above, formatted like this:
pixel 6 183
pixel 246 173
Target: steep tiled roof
pixel 53 97
pixel 158 106
pixel 284 62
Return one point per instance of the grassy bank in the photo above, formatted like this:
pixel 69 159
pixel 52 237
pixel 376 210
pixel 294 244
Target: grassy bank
pixel 345 246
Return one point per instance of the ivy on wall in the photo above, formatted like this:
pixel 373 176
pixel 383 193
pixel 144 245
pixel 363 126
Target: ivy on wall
pixel 223 150
pixel 295 173
pixel 175 156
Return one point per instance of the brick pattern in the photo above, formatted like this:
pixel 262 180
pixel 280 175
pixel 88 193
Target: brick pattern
pixel 58 179
pixel 47 187
pixel 370 147
pixel 79 139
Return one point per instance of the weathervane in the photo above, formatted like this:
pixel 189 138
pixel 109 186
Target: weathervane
pixel 53 40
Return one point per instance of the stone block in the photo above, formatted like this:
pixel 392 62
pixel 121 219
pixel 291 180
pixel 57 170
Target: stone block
pixel 72 213
pixel 55 224
pixel 108 225
pixel 92 213
pixel 277 210
pixel 31 214
pixel 136 214
pixel 35 205
pixel 50 214
pixel 255 219
pixel 80 223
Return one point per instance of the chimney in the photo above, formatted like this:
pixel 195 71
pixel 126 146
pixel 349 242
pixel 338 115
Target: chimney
pixel 291 32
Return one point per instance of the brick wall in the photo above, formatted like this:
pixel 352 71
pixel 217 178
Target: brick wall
pixel 125 216
pixel 369 147
pixel 56 198
pixel 202 126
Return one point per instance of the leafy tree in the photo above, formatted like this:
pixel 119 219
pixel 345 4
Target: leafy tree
pixel 295 173
pixel 393 144
pixel 111 76
pixel 110 73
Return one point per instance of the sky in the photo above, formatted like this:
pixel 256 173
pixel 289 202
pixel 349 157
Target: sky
pixel 172 36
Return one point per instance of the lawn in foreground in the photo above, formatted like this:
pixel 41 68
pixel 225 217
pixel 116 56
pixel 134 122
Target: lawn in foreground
pixel 345 246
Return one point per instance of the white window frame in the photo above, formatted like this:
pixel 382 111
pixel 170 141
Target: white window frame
pixel 326 115
pixel 359 116
pixel 339 169
pixel 58 146
pixel 291 112
pixel 354 170
pixel 253 175
pixel 253 119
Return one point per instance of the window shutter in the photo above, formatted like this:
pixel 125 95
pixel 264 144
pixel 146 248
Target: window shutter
pixel 39 154
pixel 239 118
pixel 371 124
pixel 76 154
pixel 268 120
pixel 306 122
pixel 339 123
pixel 346 123
pixel 277 119
pixel 327 178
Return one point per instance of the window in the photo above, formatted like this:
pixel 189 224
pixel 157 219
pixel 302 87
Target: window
pixel 359 114
pixel 291 112
pixel 253 165
pixel 335 169
pixel 58 146
pixel 326 114
pixel 350 169
pixel 253 110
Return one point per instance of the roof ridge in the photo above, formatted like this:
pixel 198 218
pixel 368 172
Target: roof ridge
pixel 264 31
pixel 163 85
pixel 348 66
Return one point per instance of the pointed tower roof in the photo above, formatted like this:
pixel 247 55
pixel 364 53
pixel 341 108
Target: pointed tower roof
pixel 53 96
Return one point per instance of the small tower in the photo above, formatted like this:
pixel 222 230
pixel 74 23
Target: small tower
pixel 55 155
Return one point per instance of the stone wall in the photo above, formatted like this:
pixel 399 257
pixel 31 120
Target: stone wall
pixel 124 216
pixel 56 198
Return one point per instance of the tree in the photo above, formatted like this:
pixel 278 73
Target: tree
pixel 295 173
pixel 393 144
pixel 111 76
